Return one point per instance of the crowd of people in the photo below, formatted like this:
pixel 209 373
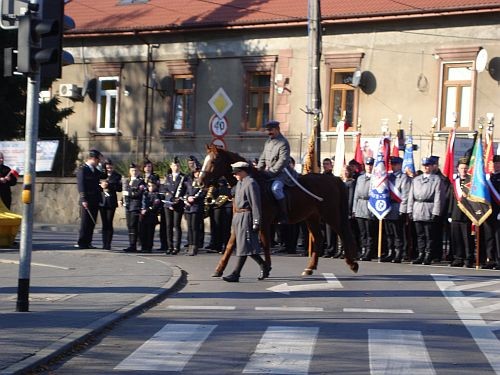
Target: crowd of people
pixel 424 225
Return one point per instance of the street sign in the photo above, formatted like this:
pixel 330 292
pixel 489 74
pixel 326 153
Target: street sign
pixel 220 103
pixel 219 143
pixel 218 126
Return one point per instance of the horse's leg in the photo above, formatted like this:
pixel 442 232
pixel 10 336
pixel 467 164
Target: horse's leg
pixel 313 224
pixel 224 260
pixel 265 240
pixel 350 248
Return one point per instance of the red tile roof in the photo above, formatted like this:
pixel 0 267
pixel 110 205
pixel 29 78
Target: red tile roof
pixel 108 16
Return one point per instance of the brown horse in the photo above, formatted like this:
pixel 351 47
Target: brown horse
pixel 332 210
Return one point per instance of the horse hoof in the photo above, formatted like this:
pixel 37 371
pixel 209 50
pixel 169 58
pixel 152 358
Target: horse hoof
pixel 217 274
pixel 355 267
pixel 307 272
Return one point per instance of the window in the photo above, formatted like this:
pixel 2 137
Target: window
pixel 107 104
pixel 258 95
pixel 342 98
pixel 457 95
pixel 183 102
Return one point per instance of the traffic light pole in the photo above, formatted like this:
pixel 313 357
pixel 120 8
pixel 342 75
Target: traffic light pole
pixel 28 198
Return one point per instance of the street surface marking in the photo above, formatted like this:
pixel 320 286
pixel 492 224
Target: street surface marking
pixel 8 261
pixel 482 333
pixel 283 350
pixel 187 307
pixel 285 308
pixel 395 352
pixel 170 349
pixel 382 311
pixel 331 283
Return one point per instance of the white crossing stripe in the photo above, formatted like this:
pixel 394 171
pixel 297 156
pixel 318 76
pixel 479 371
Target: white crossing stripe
pixel 170 349
pixel 332 280
pixel 290 309
pixel 381 311
pixel 283 350
pixel 395 352
pixel 187 307
pixel 488 309
pixel 474 285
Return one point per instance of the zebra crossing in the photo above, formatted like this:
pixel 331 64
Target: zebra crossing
pixel 281 350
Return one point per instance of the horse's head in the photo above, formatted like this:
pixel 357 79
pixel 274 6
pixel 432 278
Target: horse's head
pixel 217 164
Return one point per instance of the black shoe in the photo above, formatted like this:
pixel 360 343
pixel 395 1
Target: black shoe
pixel 427 260
pixel 457 263
pixel 388 258
pixel 366 258
pixel 327 255
pixel 264 272
pixel 418 260
pixel 175 251
pixel 469 264
pixel 488 266
pixel 232 278
pixel 130 250
pixel 146 251
pixel 338 254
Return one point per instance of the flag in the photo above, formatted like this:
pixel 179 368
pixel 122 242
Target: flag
pixel 379 202
pixel 476 201
pixel 449 162
pixel 489 169
pixel 339 150
pixel 358 154
pixel 408 163
pixel 395 147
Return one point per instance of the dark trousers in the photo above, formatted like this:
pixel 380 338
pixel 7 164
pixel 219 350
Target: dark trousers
pixel 173 228
pixel 107 216
pixel 367 230
pixel 87 224
pixel 133 227
pixel 330 240
pixel 424 236
pixel 395 235
pixel 163 230
pixel 462 243
pixel 222 227
pixel 487 251
pixel 193 224
pixel 148 223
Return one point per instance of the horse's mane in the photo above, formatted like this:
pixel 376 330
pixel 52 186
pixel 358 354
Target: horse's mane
pixel 233 157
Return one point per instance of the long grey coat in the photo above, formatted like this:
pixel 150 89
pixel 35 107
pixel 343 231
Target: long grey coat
pixel 361 195
pixel 246 196
pixel 275 158
pixel 424 199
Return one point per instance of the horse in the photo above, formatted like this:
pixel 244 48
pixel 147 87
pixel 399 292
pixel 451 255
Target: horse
pixel 332 210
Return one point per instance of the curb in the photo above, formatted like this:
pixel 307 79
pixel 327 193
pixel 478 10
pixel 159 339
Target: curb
pixel 65 344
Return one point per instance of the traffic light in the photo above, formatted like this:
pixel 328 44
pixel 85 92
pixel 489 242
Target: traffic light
pixel 39 41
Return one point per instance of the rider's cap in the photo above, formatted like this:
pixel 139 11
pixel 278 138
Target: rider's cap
pixel 240 166
pixel 272 124
pixel 396 160
pixel 369 161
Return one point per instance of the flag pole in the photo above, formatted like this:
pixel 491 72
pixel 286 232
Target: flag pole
pixel 433 127
pixel 477 230
pixel 379 254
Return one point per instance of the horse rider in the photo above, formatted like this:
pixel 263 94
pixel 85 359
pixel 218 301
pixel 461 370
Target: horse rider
pixel 274 159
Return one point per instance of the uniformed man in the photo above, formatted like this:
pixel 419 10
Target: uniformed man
pixel 246 221
pixel 462 244
pixel 495 202
pixel 174 190
pixel 133 188
pixel 8 178
pixel 366 220
pixel 330 236
pixel 109 202
pixel 399 186
pixel 274 159
pixel 424 208
pixel 87 180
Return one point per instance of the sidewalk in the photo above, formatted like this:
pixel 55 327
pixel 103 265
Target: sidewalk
pixel 74 294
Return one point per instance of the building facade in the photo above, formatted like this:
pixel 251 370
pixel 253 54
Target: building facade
pixel 159 80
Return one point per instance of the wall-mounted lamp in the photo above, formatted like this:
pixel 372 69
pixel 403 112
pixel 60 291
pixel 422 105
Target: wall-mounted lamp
pixel 126 91
pixel 281 83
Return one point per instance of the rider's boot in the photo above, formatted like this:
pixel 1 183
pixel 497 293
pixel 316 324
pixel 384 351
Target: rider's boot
pixel 283 218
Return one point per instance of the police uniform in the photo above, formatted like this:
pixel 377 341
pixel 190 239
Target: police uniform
pixel 399 185
pixel 364 218
pixel 441 228
pixel 151 205
pixel 223 214
pixel 87 181
pixel 193 213
pixel 424 207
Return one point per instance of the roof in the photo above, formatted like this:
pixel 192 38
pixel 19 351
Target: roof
pixel 113 16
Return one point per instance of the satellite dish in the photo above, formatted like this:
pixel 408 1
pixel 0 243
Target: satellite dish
pixel 356 78
pixel 494 68
pixel 481 60
pixel 368 82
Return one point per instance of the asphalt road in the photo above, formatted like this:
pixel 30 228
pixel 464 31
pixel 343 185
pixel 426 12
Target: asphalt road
pixel 387 319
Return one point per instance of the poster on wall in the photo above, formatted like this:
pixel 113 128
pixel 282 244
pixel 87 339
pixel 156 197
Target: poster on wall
pixel 13 153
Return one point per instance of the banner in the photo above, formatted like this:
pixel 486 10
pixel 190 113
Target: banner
pixel 13 153
pixel 476 200
pixel 408 163
pixel 379 202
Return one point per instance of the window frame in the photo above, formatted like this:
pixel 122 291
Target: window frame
pixel 109 95
pixel 261 92
pixel 338 63
pixel 344 88
pixel 183 93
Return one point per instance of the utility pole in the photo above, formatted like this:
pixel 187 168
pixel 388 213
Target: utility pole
pixel 314 114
